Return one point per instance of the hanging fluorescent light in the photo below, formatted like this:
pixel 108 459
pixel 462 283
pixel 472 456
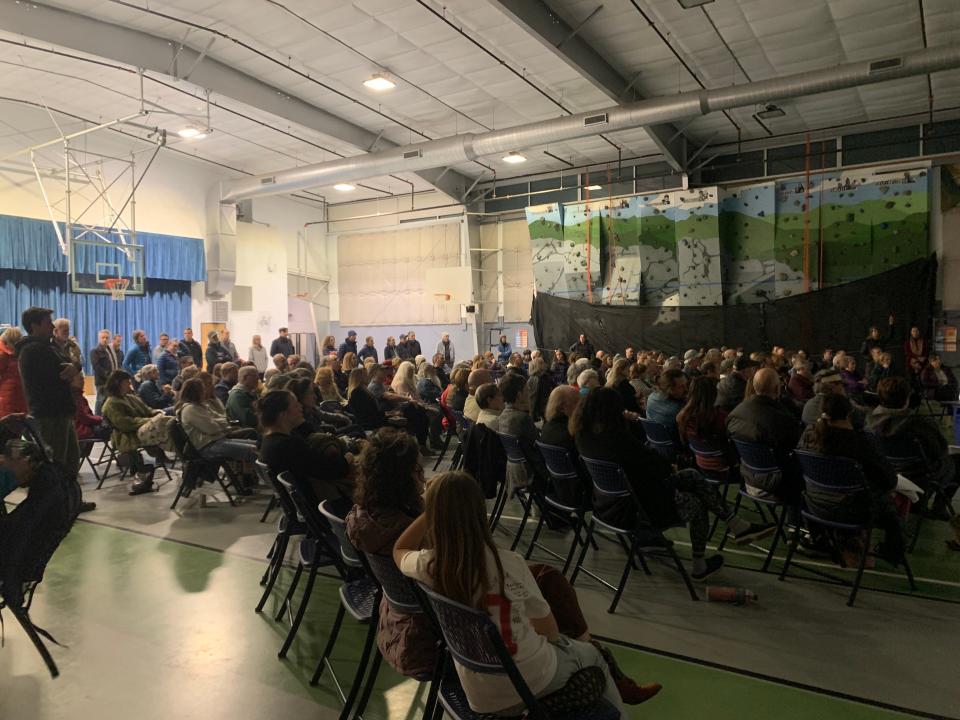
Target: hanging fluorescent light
pixel 344 187
pixel 594 187
pixel 771 111
pixel 690 4
pixel 191 133
pixel 514 158
pixel 379 83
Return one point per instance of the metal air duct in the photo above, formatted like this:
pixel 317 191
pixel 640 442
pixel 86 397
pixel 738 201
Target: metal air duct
pixel 469 146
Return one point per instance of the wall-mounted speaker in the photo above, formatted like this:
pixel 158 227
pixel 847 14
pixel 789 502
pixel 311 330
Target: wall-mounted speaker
pixel 470 308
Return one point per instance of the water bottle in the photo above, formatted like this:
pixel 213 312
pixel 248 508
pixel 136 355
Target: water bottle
pixel 734 595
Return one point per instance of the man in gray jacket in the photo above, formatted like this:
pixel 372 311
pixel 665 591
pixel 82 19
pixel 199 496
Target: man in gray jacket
pixel 445 348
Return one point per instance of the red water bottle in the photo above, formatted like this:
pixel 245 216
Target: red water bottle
pixel 734 595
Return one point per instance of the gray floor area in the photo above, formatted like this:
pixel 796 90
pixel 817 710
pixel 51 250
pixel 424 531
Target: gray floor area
pixel 891 649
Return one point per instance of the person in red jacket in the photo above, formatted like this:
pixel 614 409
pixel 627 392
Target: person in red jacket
pixel 12 399
pixel 916 351
pixel 88 425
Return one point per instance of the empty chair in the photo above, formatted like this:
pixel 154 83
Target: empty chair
pixel 359 596
pixel 319 548
pixel 288 526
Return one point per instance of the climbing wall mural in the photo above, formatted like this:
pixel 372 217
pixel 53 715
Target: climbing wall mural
pixel 731 246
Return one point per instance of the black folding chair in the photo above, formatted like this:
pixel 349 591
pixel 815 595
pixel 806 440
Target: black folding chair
pixel 463 426
pixel 523 493
pixel 610 481
pixel 360 597
pixel 474 642
pixel 319 548
pixel 195 468
pixel 562 471
pixel 288 526
pixel 107 456
pixel 659 438
pixel 842 478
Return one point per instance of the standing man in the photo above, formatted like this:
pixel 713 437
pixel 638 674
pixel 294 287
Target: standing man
pixel 582 347
pixel 66 345
pixel 117 350
pixel 445 348
pixel 104 360
pixel 403 349
pixel 139 354
pixel 189 346
pixel 283 345
pixel 413 345
pixel 229 346
pixel 47 375
pixel 161 347
pixel 368 351
pixel 348 345
pixel 216 353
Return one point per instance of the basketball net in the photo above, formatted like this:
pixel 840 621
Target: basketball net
pixel 117 287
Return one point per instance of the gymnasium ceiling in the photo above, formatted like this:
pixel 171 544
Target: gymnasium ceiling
pixel 467 66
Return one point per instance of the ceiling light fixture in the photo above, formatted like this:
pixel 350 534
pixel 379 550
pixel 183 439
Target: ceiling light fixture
pixel 379 83
pixel 514 158
pixel 771 111
pixel 594 187
pixel 191 133
pixel 344 187
pixel 690 4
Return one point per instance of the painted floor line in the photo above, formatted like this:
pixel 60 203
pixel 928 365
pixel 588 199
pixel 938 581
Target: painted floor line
pixel 773 679
pixel 808 563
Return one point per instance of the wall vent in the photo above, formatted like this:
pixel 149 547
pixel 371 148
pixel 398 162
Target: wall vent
pixel 599 119
pixel 220 311
pixel 241 298
pixel 411 154
pixel 881 66
pixel 268 181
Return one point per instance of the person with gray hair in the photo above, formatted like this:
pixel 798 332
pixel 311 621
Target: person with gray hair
pixel 65 343
pixel 155 395
pixel 573 372
pixel 243 396
pixel 445 347
pixel 539 387
pixel 587 380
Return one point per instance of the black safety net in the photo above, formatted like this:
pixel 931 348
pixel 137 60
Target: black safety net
pixel 836 317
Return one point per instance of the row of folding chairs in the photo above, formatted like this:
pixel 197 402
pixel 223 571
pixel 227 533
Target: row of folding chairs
pixel 468 635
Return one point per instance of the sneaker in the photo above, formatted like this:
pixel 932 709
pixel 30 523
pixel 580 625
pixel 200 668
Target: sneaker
pixel 753 532
pixel 713 564
pixel 87 506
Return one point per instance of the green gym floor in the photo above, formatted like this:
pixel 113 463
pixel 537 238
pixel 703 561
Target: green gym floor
pixel 155 610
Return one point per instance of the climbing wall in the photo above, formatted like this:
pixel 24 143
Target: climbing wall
pixel 620 250
pixel 698 247
pixel 712 246
pixel 746 223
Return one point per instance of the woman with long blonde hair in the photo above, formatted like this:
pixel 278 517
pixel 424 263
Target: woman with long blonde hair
pixel 326 386
pixel 404 383
pixel 450 548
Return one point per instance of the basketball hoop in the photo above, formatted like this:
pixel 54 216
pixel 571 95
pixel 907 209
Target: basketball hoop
pixel 442 297
pixel 117 287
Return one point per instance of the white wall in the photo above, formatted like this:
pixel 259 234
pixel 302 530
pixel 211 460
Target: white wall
pixel 171 200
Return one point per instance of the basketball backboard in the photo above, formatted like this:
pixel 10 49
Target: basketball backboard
pixel 93 261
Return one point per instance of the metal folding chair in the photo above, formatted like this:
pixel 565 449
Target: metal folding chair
pixel 319 548
pixel 288 526
pixel 562 470
pixel 474 642
pixel 610 481
pixel 107 456
pixel 659 438
pixel 841 477
pixel 360 597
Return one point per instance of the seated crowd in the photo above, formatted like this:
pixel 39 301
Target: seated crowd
pixel 356 429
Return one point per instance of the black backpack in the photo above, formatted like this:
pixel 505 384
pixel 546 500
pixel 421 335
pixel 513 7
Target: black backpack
pixel 29 535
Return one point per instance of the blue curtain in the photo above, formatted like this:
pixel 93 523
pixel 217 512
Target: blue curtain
pixel 30 244
pixel 164 308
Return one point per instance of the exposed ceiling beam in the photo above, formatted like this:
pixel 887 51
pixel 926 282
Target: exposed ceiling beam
pixel 154 53
pixel 566 43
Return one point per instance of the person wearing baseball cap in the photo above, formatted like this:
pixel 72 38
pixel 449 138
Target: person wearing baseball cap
pixel 731 390
pixel 827 382
pixel 348 345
